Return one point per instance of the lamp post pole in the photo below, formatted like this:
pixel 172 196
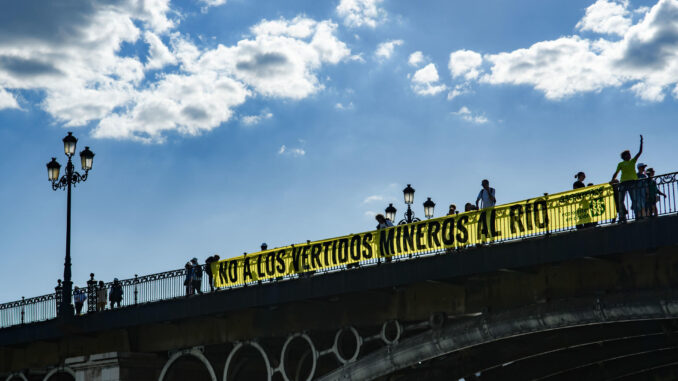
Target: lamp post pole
pixel 67 182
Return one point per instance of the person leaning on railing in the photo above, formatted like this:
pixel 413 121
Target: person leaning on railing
pixel 652 194
pixel 102 296
pixel 115 295
pixel 629 183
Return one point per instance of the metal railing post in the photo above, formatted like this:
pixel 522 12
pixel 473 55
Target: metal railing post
pixel 136 292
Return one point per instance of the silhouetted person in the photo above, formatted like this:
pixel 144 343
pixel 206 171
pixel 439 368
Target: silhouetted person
pixel 188 272
pixel 652 194
pixel 196 276
pixel 628 182
pixel 208 269
pixel 486 195
pixel 115 296
pixel 79 298
pixel 102 296
pixel 452 211
pixel 580 176
pixel 469 207
pixel 383 222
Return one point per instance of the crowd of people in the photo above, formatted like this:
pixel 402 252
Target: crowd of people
pixel 98 294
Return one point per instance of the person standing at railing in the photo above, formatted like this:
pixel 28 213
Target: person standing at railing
pixel 486 195
pixel 208 269
pixel 452 211
pixel 580 176
pixel 115 295
pixel 196 276
pixel 188 272
pixel 629 183
pixel 102 296
pixel 383 223
pixel 79 298
pixel 652 194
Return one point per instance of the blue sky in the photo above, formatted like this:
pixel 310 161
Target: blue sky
pixel 218 125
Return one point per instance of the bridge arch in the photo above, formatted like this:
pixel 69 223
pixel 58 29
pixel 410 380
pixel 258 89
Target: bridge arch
pixel 241 346
pixel 58 370
pixel 194 352
pixel 456 336
pixel 17 375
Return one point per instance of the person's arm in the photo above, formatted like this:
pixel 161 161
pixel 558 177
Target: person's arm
pixel 640 150
pixel 480 195
pixel 661 193
pixel 614 177
pixel 491 193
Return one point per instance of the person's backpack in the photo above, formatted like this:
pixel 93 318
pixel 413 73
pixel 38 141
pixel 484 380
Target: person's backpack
pixel 197 271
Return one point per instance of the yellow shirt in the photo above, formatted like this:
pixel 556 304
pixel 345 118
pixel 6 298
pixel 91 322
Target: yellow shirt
pixel 628 170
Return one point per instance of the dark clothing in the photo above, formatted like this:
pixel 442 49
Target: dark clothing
pixel 578 184
pixel 115 296
pixel 208 271
pixel 196 278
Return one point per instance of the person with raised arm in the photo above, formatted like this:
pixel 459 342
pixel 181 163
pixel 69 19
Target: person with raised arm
pixel 628 183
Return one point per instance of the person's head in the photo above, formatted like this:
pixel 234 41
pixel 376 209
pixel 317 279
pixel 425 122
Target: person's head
pixel 650 172
pixel 188 264
pixel 76 288
pixel 468 207
pixel 641 167
pixel 485 183
pixel 589 184
pixel 216 257
pixel 115 280
pixel 194 261
pixel 101 283
pixel 380 218
pixel 626 155
pixel 580 176
pixel 453 207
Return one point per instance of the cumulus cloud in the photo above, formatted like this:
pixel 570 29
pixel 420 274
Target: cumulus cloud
pixel 294 152
pixel 385 49
pixel 466 114
pixel 465 63
pixel 416 59
pixel 606 17
pixel 373 198
pixel 251 120
pixel 358 13
pixel 72 52
pixel 425 81
pixel 644 60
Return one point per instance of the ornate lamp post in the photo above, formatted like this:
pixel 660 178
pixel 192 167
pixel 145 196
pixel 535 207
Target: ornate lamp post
pixel 70 178
pixel 408 194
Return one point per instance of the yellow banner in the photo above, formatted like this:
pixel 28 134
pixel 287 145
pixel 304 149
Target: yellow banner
pixel 541 215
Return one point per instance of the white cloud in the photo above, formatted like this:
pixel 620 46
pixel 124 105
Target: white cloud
pixel 341 106
pixel 251 120
pixel 295 152
pixel 458 90
pixel 425 81
pixel 606 17
pixel 416 59
pixel 358 13
pixel 75 60
pixel 465 63
pixel 373 198
pixel 385 49
pixel 7 100
pixel 468 116
pixel 644 60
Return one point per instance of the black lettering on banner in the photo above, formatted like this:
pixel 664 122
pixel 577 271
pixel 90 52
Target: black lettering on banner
pixel 448 231
pixel 462 235
pixel 541 219
pixel 223 272
pixel 270 263
pixel 367 245
pixel 397 239
pixel 528 215
pixel 334 252
pixel 260 272
pixel 296 257
pixel 279 258
pixel 386 248
pixel 233 270
pixel 315 256
pixel 420 237
pixel 326 252
pixel 493 223
pixel 482 225
pixel 247 272
pixel 516 217
pixel 408 238
pixel 343 250
pixel 433 234
pixel 355 247
pixel 304 258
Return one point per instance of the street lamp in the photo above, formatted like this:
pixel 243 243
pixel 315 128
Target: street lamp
pixel 70 178
pixel 408 194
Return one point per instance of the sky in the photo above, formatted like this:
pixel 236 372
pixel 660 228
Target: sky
pixel 221 124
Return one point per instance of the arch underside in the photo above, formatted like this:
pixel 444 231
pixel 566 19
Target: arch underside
pixel 609 337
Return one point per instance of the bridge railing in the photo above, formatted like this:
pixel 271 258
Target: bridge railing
pixel 634 200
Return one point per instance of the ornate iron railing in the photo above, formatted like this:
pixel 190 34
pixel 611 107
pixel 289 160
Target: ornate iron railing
pixel 632 200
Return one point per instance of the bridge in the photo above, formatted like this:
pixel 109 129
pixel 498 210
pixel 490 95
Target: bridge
pixel 593 301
